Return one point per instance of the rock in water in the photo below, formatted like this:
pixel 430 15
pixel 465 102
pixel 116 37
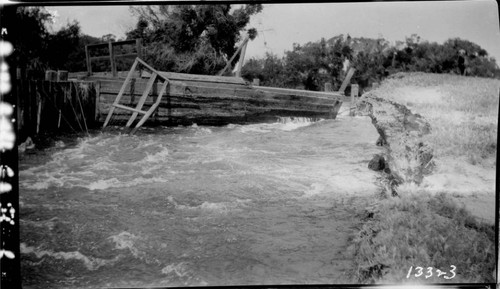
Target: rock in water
pixel 381 142
pixel 377 163
pixel 27 145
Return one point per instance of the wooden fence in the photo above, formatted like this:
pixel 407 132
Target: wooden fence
pixel 112 55
pixel 47 106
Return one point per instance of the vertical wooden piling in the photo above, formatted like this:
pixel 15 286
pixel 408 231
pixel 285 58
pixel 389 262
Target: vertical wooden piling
pixel 112 59
pixel 39 113
pixel 89 65
pixel 97 100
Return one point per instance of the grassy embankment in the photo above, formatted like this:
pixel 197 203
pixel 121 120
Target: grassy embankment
pixel 429 229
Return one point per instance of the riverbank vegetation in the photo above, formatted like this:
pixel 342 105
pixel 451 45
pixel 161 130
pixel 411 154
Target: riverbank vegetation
pixel 312 64
pixel 422 227
pixel 420 230
pixel 462 111
pixel 177 38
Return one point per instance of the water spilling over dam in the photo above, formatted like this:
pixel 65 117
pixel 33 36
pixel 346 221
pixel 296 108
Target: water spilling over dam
pixel 198 205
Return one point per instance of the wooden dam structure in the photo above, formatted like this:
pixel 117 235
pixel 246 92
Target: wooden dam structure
pixel 145 95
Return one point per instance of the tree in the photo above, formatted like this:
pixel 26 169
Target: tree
pixel 310 65
pixel 108 38
pixel 191 38
pixel 62 47
pixel 37 49
pixel 29 37
pixel 315 63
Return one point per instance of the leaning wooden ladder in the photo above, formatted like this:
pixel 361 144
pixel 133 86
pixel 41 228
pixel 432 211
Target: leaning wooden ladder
pixel 138 109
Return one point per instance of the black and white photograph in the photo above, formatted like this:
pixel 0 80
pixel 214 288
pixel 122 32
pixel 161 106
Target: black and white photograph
pixel 236 144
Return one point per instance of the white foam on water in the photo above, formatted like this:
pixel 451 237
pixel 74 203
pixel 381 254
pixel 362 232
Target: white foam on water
pixel 211 207
pixel 207 206
pixel 202 131
pixel 282 123
pixel 160 156
pixel 258 128
pixel 90 263
pixel 126 240
pixel 293 123
pixel 49 224
pixel 218 207
pixel 104 184
pixel 99 163
pixel 315 189
pixel 179 269
pixel 116 183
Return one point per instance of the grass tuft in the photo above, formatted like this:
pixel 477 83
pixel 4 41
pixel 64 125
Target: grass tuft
pixel 420 230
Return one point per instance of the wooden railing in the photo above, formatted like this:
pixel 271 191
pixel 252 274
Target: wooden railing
pixel 111 53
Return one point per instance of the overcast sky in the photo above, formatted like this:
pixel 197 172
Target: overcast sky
pixel 281 25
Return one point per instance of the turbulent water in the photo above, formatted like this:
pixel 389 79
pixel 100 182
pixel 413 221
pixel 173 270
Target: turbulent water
pixel 240 204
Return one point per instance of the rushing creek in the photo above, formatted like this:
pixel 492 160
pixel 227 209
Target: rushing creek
pixel 174 206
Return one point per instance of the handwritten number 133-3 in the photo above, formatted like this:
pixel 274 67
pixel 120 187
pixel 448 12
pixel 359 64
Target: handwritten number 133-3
pixel 427 272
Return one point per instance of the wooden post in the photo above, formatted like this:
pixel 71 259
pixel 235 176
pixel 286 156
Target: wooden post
pixel 20 73
pixel 59 120
pixel 112 58
pixel 354 94
pixel 39 114
pixel 138 47
pixel 62 75
pixel 132 90
pixel 89 64
pixel 328 87
pixel 256 82
pixel 97 100
pixel 50 75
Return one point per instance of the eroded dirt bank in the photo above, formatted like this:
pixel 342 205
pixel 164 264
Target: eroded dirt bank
pixel 411 121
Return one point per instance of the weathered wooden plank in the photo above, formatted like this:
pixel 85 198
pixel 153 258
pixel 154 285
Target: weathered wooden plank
pixel 152 108
pixel 142 100
pixel 105 57
pixel 179 88
pixel 200 78
pixel 289 91
pixel 129 108
pixel 122 90
pixel 284 100
pixel 347 80
pixel 210 106
pixel 113 86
